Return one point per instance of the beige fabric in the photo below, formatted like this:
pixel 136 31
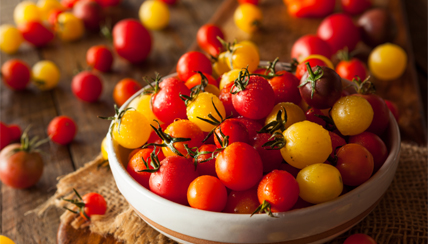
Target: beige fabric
pixel 400 217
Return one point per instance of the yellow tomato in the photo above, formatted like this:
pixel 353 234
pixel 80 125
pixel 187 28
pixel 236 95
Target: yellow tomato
pixel 306 143
pixel 47 6
pixel 10 39
pixel 142 105
pixel 104 149
pixel 229 77
pixel 134 130
pixel 387 61
pixel 319 183
pixel 294 114
pixel 352 115
pixel 5 240
pixel 154 14
pixel 212 89
pixel 26 11
pixel 69 27
pixel 45 75
pixel 220 66
pixel 243 55
pixel 201 107
pixel 248 17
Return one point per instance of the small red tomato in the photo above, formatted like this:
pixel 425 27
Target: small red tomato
pixel 207 39
pixel 226 98
pixel 280 189
pixel 108 3
pixel 5 136
pixel 308 45
pixel 311 115
pixel 310 9
pixel 208 167
pixel 255 2
pixel 95 204
pixel 234 129
pixel 100 58
pixel 36 33
pixel 169 2
pixel 336 142
pixel 183 128
pixel 191 62
pixel 15 74
pixel 62 130
pixel 154 137
pixel 242 202
pixel 374 145
pixel 301 69
pixel 131 40
pixel 355 164
pixel 87 86
pixel 355 7
pixel 252 127
pixel 349 68
pixel 271 159
pixel 380 113
pixel 339 32
pixel 15 132
pixel 359 239
pixel 207 193
pixel 285 87
pixel 124 89
pixel 90 12
pixel 136 165
pixel 393 108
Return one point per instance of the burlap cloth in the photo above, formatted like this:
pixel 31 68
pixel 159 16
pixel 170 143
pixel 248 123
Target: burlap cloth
pixel 400 217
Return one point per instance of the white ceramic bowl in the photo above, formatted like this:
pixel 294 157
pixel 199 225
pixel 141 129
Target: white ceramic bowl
pixel 315 224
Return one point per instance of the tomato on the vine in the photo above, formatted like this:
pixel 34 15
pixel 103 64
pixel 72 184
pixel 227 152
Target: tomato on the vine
pixel 195 80
pixel 124 89
pixel 201 107
pixel 182 128
pixel 207 193
pixel 90 204
pixel 62 130
pixel 87 86
pixel 292 114
pixel 15 74
pixel 207 167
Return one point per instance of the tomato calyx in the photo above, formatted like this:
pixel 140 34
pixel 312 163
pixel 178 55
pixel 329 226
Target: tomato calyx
pixel 241 82
pixel 277 124
pixel 195 153
pixel 28 145
pixel 78 203
pixel 344 55
pixel 312 77
pixel 277 143
pixel 364 87
pixel 213 120
pixel 153 89
pixel 329 123
pixel 117 117
pixel 106 30
pixel 154 162
pixel 195 90
pixel 264 208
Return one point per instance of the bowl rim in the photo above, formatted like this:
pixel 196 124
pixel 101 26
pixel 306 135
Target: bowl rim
pixel 392 159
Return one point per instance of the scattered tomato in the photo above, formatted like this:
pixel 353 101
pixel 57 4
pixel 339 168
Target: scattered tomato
pixel 36 33
pixel 45 75
pixel 68 27
pixel 308 45
pixel 387 61
pixel 87 86
pixel 310 9
pixel 62 130
pixel 15 74
pixel 154 15
pixel 10 39
pixel 99 58
pixel 248 17
pixel 26 11
pixel 207 38
pixel 15 132
pixel 90 12
pixel 5 135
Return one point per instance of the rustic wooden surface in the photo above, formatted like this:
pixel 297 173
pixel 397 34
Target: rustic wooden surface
pixel 274 39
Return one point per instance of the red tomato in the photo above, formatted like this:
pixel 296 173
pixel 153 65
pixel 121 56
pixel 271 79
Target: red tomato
pixel 136 165
pixel 36 33
pixel 242 202
pixel 355 164
pixel 95 204
pixel 374 145
pixel 308 45
pixel 68 3
pixel 234 129
pixel 15 132
pixel 271 159
pixel 87 86
pixel 239 166
pixel 173 178
pixel 336 142
pixel 100 58
pixel 355 7
pixel 351 68
pixel 255 2
pixel 90 12
pixel 339 32
pixel 124 89
pixel 154 137
pixel 191 62
pixel 285 87
pixel 5 136
pixel 280 189
pixel 393 108
pixel 62 130
pixel 207 193
pixel 195 80
pixel 183 128
pixel 131 40
pixel 15 74
pixel 167 104
pixel 310 8
pixel 301 69
pixel 359 239
pixel 255 100
pixel 252 127
pixel 207 39
pixel 226 98
pixel 108 3
pixel 381 113
pixel 169 2
pixel 311 115
pixel 208 167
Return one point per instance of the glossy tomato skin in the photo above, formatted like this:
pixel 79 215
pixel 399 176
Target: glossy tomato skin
pixel 311 115
pixel 234 129
pixel 226 98
pixel 136 164
pixel 308 45
pixel 5 135
pixel 301 68
pixel 100 58
pixel 191 62
pixel 359 238
pixel 280 189
pixel 207 193
pixel 90 12
pixel 183 128
pixel 36 33
pixel 87 86
pixel 374 145
pixel 239 166
pixel 350 69
pixel 15 74
pixel 20 169
pixel 131 40
pixel 271 159
pixel 195 80
pixel 381 113
pixel 208 167
pixel 95 204
pixel 124 89
pixel 255 101
pixel 207 39
pixel 328 89
pixel 252 126
pixel 173 178
pixel 285 87
pixel 242 202
pixel 62 130
pixel 339 32
pixel 355 7
pixel 355 164
pixel 166 104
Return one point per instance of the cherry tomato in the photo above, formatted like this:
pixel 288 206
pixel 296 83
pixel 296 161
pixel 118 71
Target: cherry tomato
pixel 87 86
pixel 244 54
pixel 302 68
pixel 104 149
pixel 68 27
pixel 62 130
pixel 183 128
pixel 229 78
pixel 336 142
pixel 252 126
pixel 207 38
pixel 208 167
pixel 377 26
pixel 319 183
pixel 124 89
pixel 226 98
pixel 45 75
pixel 393 108
pixel 339 32
pixel 290 169
pixel 234 129
pixel 207 193
pixel 169 2
pixel 108 3
pixel 310 8
pixel 100 58
pixel 95 204
pixel 10 39
pixel 90 12
pixel 359 239
pixel 47 6
pixel 5 240
pixel 173 178
pixel 15 132
pixel 308 45
pixel 255 2
pixel 154 15
pixel 387 61
pixel 220 66
pixel 355 7
pixel 271 159
pixel 352 115
pixel 313 115
pixel 136 165
pixel 380 120
pixel 239 166
pixel 26 11
pixel 374 145
pixel 203 105
pixel 195 80
pixel 142 105
pixel 279 189
pixel 5 135
pixel 351 68
pixel 15 74
pixel 36 33
pixel 131 40
pixel 294 114
pixel 355 164
pixel 68 3
pixel 285 87
pixel 191 62
pixel 242 202
pixel 248 17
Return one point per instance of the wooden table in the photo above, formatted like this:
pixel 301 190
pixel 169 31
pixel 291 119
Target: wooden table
pixel 39 108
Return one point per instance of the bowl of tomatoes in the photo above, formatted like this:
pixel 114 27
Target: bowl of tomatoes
pixel 304 219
